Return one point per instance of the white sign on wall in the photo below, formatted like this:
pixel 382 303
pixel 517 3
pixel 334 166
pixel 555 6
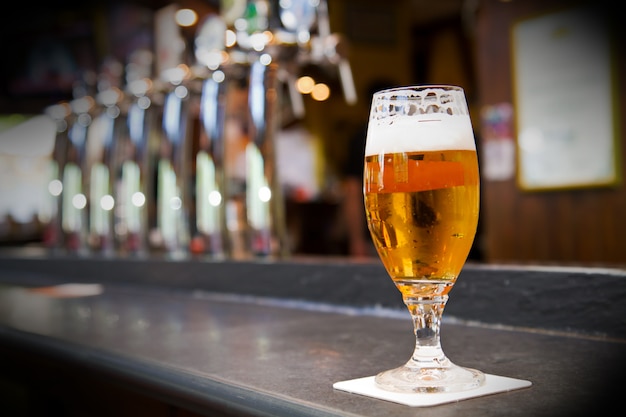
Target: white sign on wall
pixel 564 101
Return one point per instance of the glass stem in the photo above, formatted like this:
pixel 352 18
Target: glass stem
pixel 426 313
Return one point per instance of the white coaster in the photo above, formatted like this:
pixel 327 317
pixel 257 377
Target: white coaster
pixel 493 384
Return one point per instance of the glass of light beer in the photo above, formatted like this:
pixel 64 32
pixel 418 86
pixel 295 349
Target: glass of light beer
pixel 421 190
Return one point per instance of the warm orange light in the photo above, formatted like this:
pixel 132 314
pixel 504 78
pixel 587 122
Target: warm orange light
pixel 305 84
pixel 320 92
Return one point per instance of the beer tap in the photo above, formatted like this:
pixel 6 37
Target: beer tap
pixel 264 205
pixel 263 195
pixel 172 170
pixel 173 176
pixel 134 183
pixel 335 50
pixel 102 139
pixel 52 236
pixel 209 228
pixel 74 204
pixel 273 40
pixel 321 46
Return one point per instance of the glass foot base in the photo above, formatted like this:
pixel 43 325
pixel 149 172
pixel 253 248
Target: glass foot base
pixel 409 379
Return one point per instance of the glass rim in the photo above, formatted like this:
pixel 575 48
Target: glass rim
pixel 421 87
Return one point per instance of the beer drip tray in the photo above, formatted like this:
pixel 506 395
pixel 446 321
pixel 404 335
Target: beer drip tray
pixel 493 384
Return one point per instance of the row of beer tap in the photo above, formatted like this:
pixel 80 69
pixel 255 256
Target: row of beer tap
pixel 139 162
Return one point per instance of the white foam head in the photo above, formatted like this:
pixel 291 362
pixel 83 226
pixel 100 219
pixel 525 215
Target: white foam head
pixel 419 119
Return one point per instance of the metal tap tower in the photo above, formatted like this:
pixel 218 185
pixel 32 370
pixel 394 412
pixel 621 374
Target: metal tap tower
pixel 162 180
pixel 271 41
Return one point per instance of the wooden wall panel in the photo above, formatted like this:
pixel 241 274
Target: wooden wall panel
pixel 582 226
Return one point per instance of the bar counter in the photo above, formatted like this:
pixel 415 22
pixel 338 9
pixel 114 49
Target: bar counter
pixel 192 337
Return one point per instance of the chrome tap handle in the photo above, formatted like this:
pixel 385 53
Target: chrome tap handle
pixel 212 115
pixel 210 182
pixel 257 103
pixel 172 185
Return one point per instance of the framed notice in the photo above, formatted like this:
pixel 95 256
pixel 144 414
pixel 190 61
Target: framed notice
pixel 564 103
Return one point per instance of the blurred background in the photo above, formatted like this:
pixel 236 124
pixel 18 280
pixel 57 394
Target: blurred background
pixel 537 207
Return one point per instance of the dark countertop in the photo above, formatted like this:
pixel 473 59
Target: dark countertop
pixel 270 338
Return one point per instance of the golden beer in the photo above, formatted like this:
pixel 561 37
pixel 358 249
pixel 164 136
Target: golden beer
pixel 422 211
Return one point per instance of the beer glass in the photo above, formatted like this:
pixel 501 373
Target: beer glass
pixel 421 191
